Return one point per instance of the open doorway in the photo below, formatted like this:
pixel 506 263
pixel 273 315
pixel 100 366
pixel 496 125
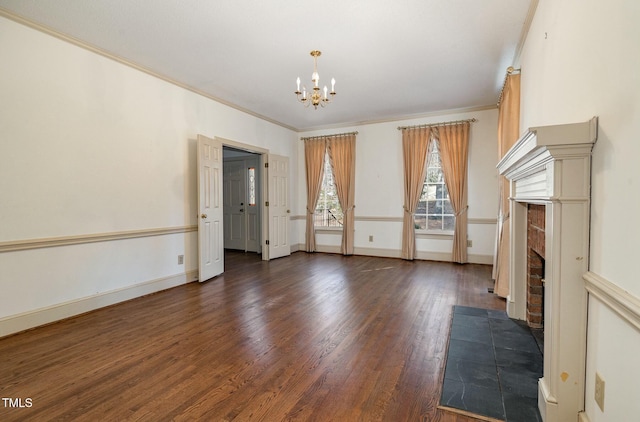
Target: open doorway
pixel 271 199
pixel 242 196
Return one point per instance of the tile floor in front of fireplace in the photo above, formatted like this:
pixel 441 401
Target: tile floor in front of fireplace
pixel 493 366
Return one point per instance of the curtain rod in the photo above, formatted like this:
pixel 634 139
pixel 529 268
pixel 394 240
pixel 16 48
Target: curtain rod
pixel 328 136
pixel 453 122
pixel 510 71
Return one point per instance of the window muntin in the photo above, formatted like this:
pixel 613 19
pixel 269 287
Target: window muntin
pixel 328 211
pixel 434 211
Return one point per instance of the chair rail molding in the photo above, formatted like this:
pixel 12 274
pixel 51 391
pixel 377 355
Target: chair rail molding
pixel 50 242
pixel 623 303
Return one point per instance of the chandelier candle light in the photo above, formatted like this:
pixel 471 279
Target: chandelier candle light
pixel 315 97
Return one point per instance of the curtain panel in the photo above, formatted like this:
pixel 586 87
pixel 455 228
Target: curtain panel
pixel 453 141
pixel 314 151
pixel 342 154
pixel 508 133
pixel 415 144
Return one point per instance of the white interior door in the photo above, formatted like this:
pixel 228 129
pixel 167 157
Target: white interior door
pixel 235 194
pixel 210 210
pixel 278 210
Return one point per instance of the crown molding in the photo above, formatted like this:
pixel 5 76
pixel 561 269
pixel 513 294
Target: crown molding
pixel 533 6
pixel 92 48
pixel 396 119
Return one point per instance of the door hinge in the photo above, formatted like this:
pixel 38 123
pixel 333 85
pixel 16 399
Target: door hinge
pixel 266 204
pixel 266 165
pixel 267 241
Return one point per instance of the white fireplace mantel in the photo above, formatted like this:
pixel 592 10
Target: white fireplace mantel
pixel 551 165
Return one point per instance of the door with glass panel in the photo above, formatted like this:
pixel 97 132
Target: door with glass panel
pixel 253 216
pixel 241 204
pixel 234 197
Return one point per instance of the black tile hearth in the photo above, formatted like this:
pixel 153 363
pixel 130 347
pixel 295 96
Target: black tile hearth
pixel 462 349
pixel 457 395
pixel 493 366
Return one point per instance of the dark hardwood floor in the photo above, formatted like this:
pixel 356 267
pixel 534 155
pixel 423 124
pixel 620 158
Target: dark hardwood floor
pixel 311 337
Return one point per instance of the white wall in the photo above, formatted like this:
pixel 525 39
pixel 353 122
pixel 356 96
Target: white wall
pixel 582 59
pixel 89 145
pixel 379 189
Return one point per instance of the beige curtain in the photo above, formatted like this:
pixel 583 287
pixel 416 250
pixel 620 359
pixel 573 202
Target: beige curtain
pixel 342 154
pixel 453 141
pixel 314 151
pixel 415 144
pixel 508 133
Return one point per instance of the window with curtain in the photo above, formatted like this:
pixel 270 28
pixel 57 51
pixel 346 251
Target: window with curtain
pixel 434 212
pixel 328 211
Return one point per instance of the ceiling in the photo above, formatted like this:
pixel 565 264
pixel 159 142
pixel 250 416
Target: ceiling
pixel 391 60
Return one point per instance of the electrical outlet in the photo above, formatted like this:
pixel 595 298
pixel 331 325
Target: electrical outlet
pixel 180 259
pixel 370 238
pixel 469 243
pixel 599 394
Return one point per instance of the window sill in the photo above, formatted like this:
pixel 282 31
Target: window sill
pixel 434 234
pixel 328 230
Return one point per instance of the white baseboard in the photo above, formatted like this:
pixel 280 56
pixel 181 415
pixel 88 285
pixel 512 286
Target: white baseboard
pixel 327 249
pixel 582 417
pixel 547 404
pixel 448 257
pixel 393 253
pixel 378 252
pixel 31 319
pixel 480 259
pixel 434 256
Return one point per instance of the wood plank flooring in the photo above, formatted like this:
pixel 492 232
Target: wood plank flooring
pixel 311 337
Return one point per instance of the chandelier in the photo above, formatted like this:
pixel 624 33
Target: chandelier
pixel 315 97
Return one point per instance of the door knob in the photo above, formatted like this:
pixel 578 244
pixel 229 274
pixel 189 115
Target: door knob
pixel 203 216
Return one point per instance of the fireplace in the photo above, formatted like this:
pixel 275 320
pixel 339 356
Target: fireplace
pixel 549 174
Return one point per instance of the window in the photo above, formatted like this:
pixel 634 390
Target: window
pixel 434 210
pixel 252 186
pixel 328 211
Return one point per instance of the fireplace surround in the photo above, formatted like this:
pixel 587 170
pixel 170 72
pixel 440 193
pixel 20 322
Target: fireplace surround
pixel 551 166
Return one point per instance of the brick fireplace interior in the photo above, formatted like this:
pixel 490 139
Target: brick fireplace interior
pixel 535 265
pixel 535 270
